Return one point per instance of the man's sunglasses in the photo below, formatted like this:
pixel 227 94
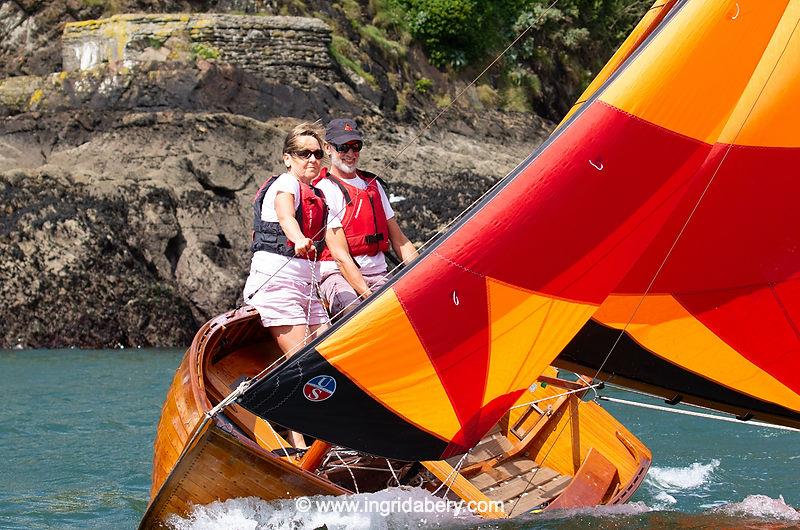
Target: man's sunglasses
pixel 306 154
pixel 343 148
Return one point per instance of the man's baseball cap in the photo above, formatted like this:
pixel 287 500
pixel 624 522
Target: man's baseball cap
pixel 342 130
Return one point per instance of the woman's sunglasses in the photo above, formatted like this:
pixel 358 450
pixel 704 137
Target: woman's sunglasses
pixel 306 154
pixel 343 148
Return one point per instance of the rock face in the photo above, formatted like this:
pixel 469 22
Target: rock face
pixel 126 208
pixel 289 50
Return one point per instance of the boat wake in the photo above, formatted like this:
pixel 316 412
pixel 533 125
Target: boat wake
pixel 390 508
pixel 665 482
pixel 762 507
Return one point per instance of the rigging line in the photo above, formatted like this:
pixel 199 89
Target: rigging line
pixel 697 204
pixel 394 475
pixel 683 403
pixel 556 396
pixel 453 474
pixel 463 90
pixel 699 414
pixel 278 438
pixel 544 458
pixel 352 476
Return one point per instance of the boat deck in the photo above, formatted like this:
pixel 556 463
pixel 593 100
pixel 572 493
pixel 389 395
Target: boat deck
pixel 518 481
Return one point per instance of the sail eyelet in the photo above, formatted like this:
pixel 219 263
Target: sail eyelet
pixel 598 167
pixel 456 301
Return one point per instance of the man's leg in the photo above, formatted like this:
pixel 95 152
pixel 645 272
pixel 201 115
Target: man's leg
pixel 338 295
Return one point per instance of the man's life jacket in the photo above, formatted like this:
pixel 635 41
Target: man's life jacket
pixel 364 219
pixel 311 215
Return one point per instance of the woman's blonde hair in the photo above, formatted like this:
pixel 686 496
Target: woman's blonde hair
pixel 292 141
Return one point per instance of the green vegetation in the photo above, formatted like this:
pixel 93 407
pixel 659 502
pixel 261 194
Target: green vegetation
pixel 563 48
pixel 423 85
pixel 346 54
pixel 391 49
pixel 487 96
pixel 155 43
pixel 203 51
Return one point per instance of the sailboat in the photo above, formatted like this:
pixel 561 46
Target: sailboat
pixel 653 240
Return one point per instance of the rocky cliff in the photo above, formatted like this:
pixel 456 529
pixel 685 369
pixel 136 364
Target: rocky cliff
pixel 126 188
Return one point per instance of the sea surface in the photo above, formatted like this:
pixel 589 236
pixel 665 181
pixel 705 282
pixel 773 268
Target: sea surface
pixel 77 427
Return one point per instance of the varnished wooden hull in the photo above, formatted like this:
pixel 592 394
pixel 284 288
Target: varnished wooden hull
pixel 220 465
pixel 198 460
pixel 585 455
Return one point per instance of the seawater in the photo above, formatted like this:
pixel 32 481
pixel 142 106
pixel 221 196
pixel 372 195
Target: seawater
pixel 77 427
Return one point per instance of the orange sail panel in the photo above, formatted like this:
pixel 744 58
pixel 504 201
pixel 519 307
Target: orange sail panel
pixel 426 367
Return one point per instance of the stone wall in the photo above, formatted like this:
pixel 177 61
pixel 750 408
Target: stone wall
pixel 289 50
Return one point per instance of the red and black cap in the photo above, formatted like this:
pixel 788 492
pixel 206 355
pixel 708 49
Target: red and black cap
pixel 342 130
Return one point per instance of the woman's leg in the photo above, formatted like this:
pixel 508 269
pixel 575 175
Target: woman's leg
pixel 290 340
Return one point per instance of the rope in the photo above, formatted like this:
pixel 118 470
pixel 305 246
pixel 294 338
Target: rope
pixel 394 475
pixel 277 437
pixel 698 414
pixel 453 474
pixel 556 396
pixel 355 484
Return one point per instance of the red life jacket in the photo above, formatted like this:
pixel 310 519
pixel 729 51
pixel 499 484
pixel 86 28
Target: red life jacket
pixel 311 215
pixel 364 219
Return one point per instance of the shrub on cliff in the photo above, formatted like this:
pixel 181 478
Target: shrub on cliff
pixel 567 43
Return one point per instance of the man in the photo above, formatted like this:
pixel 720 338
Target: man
pixel 361 224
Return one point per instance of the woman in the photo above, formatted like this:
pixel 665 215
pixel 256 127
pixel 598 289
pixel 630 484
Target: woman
pixel 288 231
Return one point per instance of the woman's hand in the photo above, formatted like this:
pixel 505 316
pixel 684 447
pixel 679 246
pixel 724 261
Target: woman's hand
pixel 305 247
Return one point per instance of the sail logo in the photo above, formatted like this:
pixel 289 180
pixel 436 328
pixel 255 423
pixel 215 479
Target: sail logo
pixel 319 388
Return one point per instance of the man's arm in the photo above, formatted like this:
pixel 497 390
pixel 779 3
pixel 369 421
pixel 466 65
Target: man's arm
pixel 400 244
pixel 337 244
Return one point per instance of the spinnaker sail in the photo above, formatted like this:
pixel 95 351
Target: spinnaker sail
pixel 433 360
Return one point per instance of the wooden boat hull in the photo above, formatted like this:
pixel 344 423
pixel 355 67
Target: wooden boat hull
pixel 570 454
pixel 219 465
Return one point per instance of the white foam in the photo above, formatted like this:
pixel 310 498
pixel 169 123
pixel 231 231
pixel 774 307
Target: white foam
pixel 252 513
pixel 763 507
pixel 664 499
pixel 673 479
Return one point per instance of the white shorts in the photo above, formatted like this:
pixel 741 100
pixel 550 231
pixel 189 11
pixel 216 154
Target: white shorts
pixel 283 301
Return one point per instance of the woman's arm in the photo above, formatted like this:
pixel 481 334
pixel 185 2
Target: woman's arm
pixel 284 209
